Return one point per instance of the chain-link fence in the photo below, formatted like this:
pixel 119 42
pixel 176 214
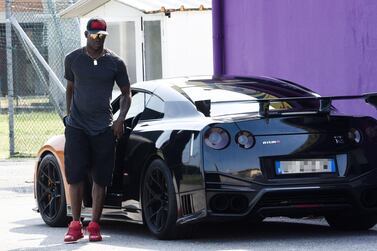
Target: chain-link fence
pixel 39 41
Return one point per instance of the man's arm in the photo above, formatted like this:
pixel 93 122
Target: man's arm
pixel 68 95
pixel 124 102
pixel 124 106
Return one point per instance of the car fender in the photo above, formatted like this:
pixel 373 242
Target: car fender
pixel 54 146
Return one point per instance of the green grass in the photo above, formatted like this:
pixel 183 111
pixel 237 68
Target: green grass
pixel 31 132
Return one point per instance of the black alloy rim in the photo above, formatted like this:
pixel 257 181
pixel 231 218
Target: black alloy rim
pixel 49 190
pixel 156 199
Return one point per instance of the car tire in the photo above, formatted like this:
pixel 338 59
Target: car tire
pixel 159 203
pixel 50 193
pixel 352 221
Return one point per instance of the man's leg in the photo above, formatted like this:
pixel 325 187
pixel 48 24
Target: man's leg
pixel 76 192
pixel 75 231
pixel 103 146
pixel 98 197
pixel 76 160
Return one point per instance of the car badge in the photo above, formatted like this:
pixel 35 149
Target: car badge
pixel 270 142
pixel 339 139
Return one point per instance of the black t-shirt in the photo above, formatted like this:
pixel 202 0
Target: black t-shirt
pixel 93 84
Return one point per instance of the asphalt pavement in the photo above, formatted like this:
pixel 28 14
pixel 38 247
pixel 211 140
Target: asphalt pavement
pixel 23 229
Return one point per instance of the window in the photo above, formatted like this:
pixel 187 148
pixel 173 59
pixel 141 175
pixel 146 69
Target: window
pixel 138 103
pixel 154 110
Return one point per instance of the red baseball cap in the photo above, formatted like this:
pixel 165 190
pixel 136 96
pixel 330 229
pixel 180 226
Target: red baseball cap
pixel 97 26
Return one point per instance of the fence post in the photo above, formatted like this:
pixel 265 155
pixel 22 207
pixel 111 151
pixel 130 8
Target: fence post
pixel 8 32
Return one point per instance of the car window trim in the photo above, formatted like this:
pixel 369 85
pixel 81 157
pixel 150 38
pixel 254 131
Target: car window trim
pixel 145 120
pixel 115 102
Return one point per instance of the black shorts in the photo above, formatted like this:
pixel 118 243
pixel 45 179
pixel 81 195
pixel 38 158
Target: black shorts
pixel 85 154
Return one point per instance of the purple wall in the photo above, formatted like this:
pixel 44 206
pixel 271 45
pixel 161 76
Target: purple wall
pixel 329 46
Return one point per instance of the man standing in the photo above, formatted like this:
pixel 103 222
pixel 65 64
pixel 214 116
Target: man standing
pixel 90 132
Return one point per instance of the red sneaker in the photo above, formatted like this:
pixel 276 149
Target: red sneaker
pixel 74 232
pixel 94 231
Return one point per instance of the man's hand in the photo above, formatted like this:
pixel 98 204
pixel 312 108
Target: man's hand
pixel 118 128
pixel 124 105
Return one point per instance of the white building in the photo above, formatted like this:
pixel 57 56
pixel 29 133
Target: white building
pixel 156 38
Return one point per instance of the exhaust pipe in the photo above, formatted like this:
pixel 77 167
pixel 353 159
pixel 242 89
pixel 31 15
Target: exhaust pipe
pixel 238 203
pixel 220 203
pixel 229 203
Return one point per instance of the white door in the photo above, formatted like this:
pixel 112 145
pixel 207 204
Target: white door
pixel 152 52
pixel 122 41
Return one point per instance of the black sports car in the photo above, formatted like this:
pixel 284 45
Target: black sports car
pixel 228 149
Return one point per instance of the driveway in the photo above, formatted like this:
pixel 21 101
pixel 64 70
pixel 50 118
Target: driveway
pixel 23 229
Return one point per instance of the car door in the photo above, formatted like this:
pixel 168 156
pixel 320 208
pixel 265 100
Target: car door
pixel 115 192
pixel 141 145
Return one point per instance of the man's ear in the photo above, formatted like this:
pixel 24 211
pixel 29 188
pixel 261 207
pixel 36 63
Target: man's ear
pixel 86 33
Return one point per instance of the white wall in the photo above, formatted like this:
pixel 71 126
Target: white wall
pixel 186 38
pixel 116 13
pixel 188 44
pixel 112 12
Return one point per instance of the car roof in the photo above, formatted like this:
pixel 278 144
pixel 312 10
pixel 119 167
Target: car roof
pixel 180 94
pixel 173 89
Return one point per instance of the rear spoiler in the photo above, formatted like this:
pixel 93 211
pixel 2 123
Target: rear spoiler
pixel 325 103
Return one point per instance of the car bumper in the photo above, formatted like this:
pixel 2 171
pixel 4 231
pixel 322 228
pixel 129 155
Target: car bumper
pixel 290 198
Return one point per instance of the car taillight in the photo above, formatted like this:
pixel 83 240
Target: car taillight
pixel 216 138
pixel 245 139
pixel 355 135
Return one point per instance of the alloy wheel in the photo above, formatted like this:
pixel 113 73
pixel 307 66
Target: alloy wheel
pixel 156 199
pixel 50 192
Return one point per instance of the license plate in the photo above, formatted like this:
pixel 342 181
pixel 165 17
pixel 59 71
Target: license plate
pixel 305 166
